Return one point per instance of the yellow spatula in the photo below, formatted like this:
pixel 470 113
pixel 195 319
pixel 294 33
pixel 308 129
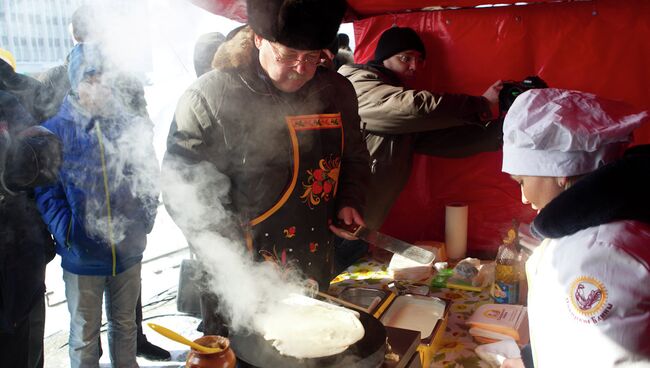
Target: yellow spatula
pixel 178 338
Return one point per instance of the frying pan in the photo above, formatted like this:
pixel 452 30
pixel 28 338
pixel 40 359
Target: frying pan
pixel 365 353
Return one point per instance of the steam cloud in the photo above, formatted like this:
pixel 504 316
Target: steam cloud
pixel 133 172
pixel 248 291
pixel 155 37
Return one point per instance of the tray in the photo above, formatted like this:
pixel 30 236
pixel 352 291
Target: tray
pixel 418 313
pixel 367 298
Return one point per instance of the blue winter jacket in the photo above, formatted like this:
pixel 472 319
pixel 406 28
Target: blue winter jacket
pixel 105 200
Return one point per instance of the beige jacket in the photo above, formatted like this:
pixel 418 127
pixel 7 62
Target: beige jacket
pixel 398 122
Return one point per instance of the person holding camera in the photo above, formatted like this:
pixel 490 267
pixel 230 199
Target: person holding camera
pixel 398 120
pixel 29 156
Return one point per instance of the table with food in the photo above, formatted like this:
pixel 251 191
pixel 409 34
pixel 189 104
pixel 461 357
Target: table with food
pixel 460 308
pixel 454 346
pixel 402 306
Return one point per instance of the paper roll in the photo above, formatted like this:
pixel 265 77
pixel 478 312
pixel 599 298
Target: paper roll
pixel 456 230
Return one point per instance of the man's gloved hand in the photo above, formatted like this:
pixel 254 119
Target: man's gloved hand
pixel 33 159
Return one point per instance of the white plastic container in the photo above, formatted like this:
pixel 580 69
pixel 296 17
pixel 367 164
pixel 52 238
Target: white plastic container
pixel 402 268
pixel 417 313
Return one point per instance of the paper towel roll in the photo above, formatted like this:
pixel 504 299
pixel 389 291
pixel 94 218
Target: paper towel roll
pixel 456 230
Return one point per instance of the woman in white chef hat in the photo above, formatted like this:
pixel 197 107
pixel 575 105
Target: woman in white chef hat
pixel 589 292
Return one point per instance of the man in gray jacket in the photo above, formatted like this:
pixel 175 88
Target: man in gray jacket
pixel 398 121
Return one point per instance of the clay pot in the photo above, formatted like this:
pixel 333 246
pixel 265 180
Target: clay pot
pixel 223 359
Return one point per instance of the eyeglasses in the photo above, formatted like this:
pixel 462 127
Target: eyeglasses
pixel 293 60
pixel 407 59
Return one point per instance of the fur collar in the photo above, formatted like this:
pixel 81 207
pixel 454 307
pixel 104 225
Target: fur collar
pixel 239 56
pixel 618 191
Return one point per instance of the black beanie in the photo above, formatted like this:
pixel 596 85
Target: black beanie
pixel 395 40
pixel 299 24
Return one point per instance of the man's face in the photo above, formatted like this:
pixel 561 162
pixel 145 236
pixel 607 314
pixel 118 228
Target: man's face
pixel 289 69
pixel 405 64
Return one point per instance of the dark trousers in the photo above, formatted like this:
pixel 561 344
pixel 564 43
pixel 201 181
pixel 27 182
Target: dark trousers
pixel 213 320
pixel 24 347
pixel 138 320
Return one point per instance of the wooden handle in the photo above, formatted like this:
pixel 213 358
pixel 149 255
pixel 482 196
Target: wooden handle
pixel 341 302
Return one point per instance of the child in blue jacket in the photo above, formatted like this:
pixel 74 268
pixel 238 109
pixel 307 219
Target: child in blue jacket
pixel 101 208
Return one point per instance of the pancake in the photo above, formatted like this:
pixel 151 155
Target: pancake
pixel 304 327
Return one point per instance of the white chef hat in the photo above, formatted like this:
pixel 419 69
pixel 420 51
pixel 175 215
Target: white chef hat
pixel 555 132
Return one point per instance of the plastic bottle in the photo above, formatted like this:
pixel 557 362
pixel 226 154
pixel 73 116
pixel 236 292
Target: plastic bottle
pixel 505 289
pixel 523 281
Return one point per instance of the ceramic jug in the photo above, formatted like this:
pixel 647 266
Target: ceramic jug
pixel 223 359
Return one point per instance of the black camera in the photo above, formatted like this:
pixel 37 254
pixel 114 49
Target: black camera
pixel 512 89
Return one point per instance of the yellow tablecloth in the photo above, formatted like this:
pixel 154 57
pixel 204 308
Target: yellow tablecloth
pixel 457 348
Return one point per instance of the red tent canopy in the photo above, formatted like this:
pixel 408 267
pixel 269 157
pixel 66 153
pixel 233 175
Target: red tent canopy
pixel 357 9
pixel 597 46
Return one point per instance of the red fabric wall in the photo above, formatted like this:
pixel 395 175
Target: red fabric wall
pixel 600 47
pixel 368 8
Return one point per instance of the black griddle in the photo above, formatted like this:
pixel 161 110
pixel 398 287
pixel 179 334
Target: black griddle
pixel 253 350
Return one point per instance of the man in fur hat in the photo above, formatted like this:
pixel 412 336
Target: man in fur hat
pixel 273 139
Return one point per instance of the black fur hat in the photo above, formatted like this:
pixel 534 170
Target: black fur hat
pixel 299 24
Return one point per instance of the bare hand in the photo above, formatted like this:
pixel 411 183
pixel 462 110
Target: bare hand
pixel 348 216
pixel 512 363
pixel 492 95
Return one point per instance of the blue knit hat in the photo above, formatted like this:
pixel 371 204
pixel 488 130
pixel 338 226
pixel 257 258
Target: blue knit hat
pixel 85 60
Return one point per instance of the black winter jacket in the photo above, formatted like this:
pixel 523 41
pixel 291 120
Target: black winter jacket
pixel 25 244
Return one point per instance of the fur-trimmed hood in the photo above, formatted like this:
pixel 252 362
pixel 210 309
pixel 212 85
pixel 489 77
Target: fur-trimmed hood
pixel 238 52
pixel 239 57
